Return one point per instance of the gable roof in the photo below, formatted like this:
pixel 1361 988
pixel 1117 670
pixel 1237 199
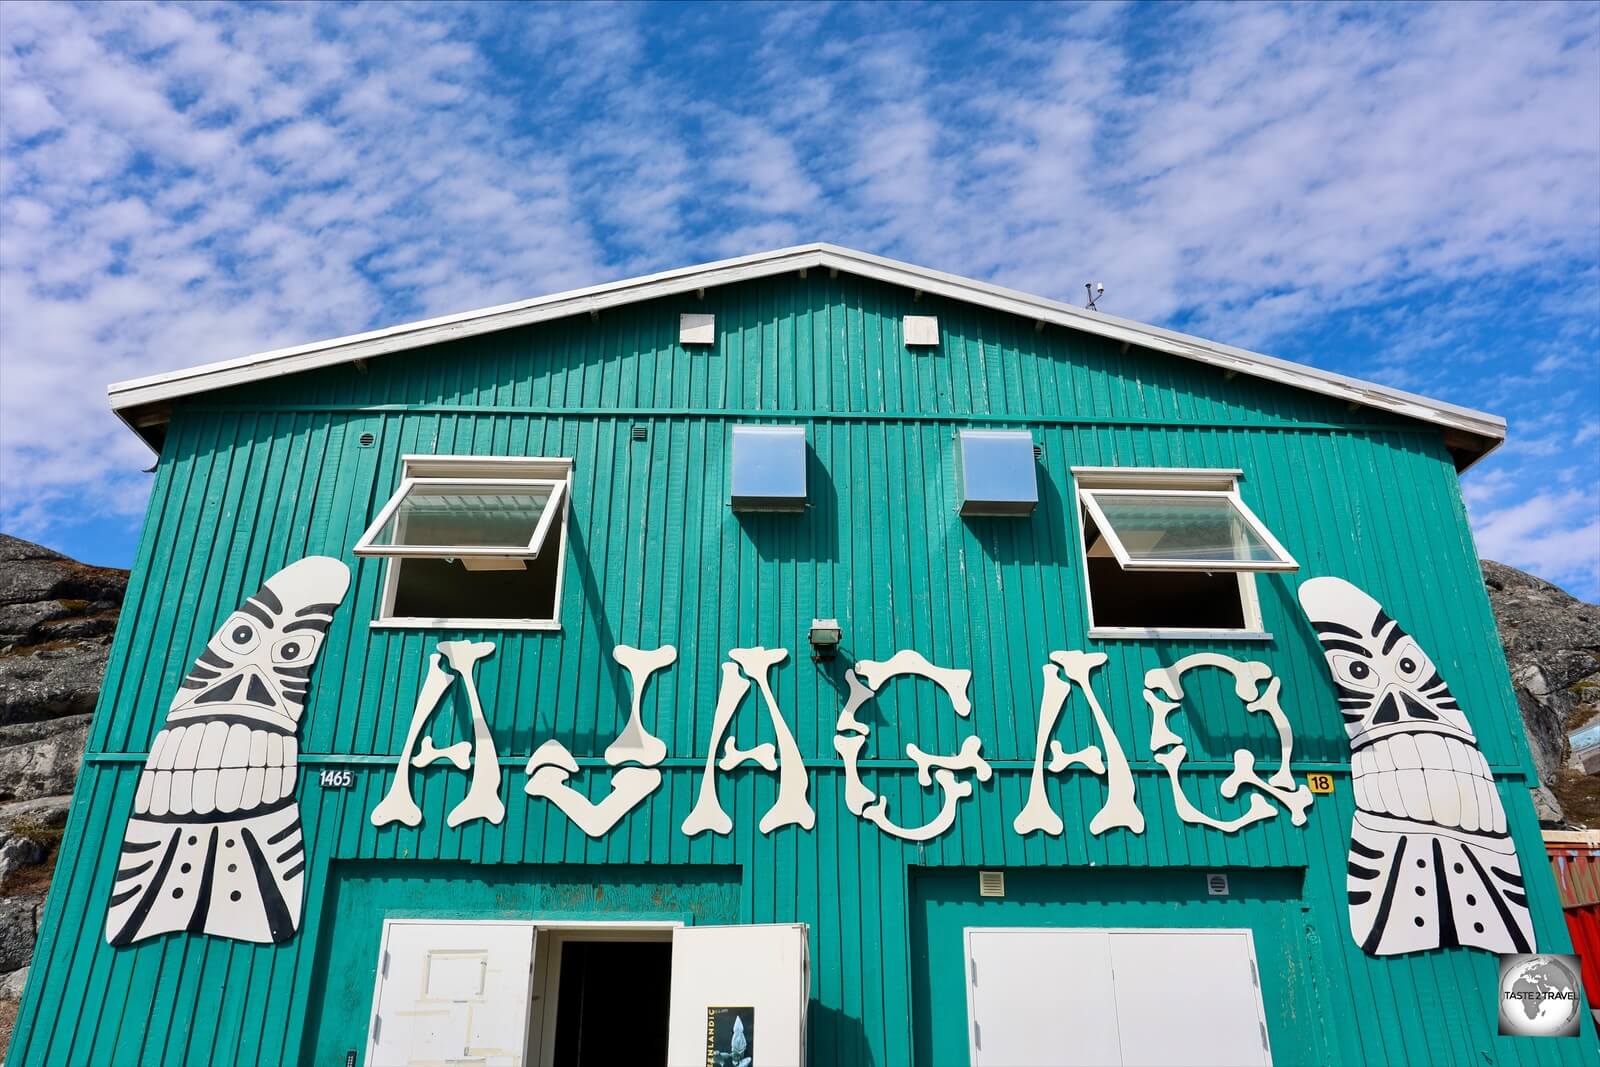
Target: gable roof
pixel 145 403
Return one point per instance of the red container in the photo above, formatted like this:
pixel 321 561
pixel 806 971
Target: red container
pixel 1575 858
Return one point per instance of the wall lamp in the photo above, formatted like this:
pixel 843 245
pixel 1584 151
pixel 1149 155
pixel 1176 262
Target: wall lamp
pixel 825 635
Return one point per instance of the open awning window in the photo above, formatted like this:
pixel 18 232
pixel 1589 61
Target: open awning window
pixel 504 518
pixel 1182 530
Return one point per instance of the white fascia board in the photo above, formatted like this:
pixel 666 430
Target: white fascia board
pixel 135 393
pixel 1157 339
pixel 265 365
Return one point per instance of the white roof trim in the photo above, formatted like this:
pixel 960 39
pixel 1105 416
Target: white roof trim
pixel 160 388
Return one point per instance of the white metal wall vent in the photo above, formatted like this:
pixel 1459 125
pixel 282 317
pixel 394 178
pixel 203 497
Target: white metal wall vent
pixel 991 883
pixel 697 329
pixel 921 330
pixel 1217 885
pixel 769 468
pixel 998 473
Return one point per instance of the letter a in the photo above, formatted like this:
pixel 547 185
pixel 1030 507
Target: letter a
pixel 791 807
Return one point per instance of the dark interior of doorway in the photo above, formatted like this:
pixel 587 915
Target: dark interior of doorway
pixel 612 1003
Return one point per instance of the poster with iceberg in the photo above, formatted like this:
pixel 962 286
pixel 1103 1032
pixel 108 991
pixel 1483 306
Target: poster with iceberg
pixel 730 1037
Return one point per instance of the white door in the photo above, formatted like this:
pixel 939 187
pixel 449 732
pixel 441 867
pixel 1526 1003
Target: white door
pixel 1188 997
pixel 451 993
pixel 754 977
pixel 1040 996
pixel 1113 997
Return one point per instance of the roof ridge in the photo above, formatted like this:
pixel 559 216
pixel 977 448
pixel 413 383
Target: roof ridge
pixel 128 397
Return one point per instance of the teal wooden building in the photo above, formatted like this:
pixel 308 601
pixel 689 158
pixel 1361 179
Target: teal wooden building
pixel 801 658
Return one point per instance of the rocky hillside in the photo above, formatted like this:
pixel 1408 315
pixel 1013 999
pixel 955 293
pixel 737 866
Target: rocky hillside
pixel 56 618
pixel 1552 643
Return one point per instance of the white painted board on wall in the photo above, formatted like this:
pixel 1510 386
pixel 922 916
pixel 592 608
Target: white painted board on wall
pixel 761 966
pixel 1123 997
pixel 451 992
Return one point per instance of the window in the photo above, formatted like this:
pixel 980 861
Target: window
pixel 1172 553
pixel 998 475
pixel 473 541
pixel 769 468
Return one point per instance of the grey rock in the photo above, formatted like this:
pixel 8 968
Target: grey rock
pixel 19 927
pixel 16 852
pixel 42 768
pixel 19 732
pixel 19 620
pixel 46 767
pixel 1543 716
pixel 1547 807
pixel 56 621
pixel 78 627
pixel 12 984
pixel 51 681
pixel 40 588
pixel 1552 646
pixel 15 550
pixel 48 812
pixel 1536 616
pixel 27 581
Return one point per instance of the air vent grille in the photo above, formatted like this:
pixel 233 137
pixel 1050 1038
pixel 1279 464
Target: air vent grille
pixel 366 440
pixel 1217 885
pixel 1038 451
pixel 641 433
pixel 920 330
pixel 991 883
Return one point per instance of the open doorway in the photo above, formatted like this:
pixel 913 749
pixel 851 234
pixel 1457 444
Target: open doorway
pixel 612 1005
pixel 526 993
pixel 601 995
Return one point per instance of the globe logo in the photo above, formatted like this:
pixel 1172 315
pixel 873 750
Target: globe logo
pixel 1540 995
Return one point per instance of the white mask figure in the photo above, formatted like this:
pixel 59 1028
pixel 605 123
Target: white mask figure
pixel 213 845
pixel 1431 864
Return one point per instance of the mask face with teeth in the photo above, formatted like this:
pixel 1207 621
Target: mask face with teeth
pixel 1431 862
pixel 214 842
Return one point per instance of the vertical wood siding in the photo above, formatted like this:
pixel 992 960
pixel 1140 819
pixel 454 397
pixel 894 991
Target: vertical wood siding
pixel 254 478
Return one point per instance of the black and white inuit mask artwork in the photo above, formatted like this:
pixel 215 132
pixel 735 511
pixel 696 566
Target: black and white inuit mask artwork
pixel 1431 864
pixel 214 846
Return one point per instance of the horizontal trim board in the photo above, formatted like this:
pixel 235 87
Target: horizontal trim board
pixel 402 622
pixel 697 763
pixel 1117 633
pixel 669 414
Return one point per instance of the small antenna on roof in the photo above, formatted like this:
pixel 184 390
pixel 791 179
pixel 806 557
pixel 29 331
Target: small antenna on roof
pixel 1095 290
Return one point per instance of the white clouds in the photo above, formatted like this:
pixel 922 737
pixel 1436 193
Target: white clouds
pixel 184 184
pixel 1537 534
pixel 236 189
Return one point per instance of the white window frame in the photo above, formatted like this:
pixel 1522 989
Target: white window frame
pixel 1090 498
pixel 1166 479
pixel 366 546
pixel 483 470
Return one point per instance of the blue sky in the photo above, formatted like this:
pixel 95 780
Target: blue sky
pixel 1406 193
